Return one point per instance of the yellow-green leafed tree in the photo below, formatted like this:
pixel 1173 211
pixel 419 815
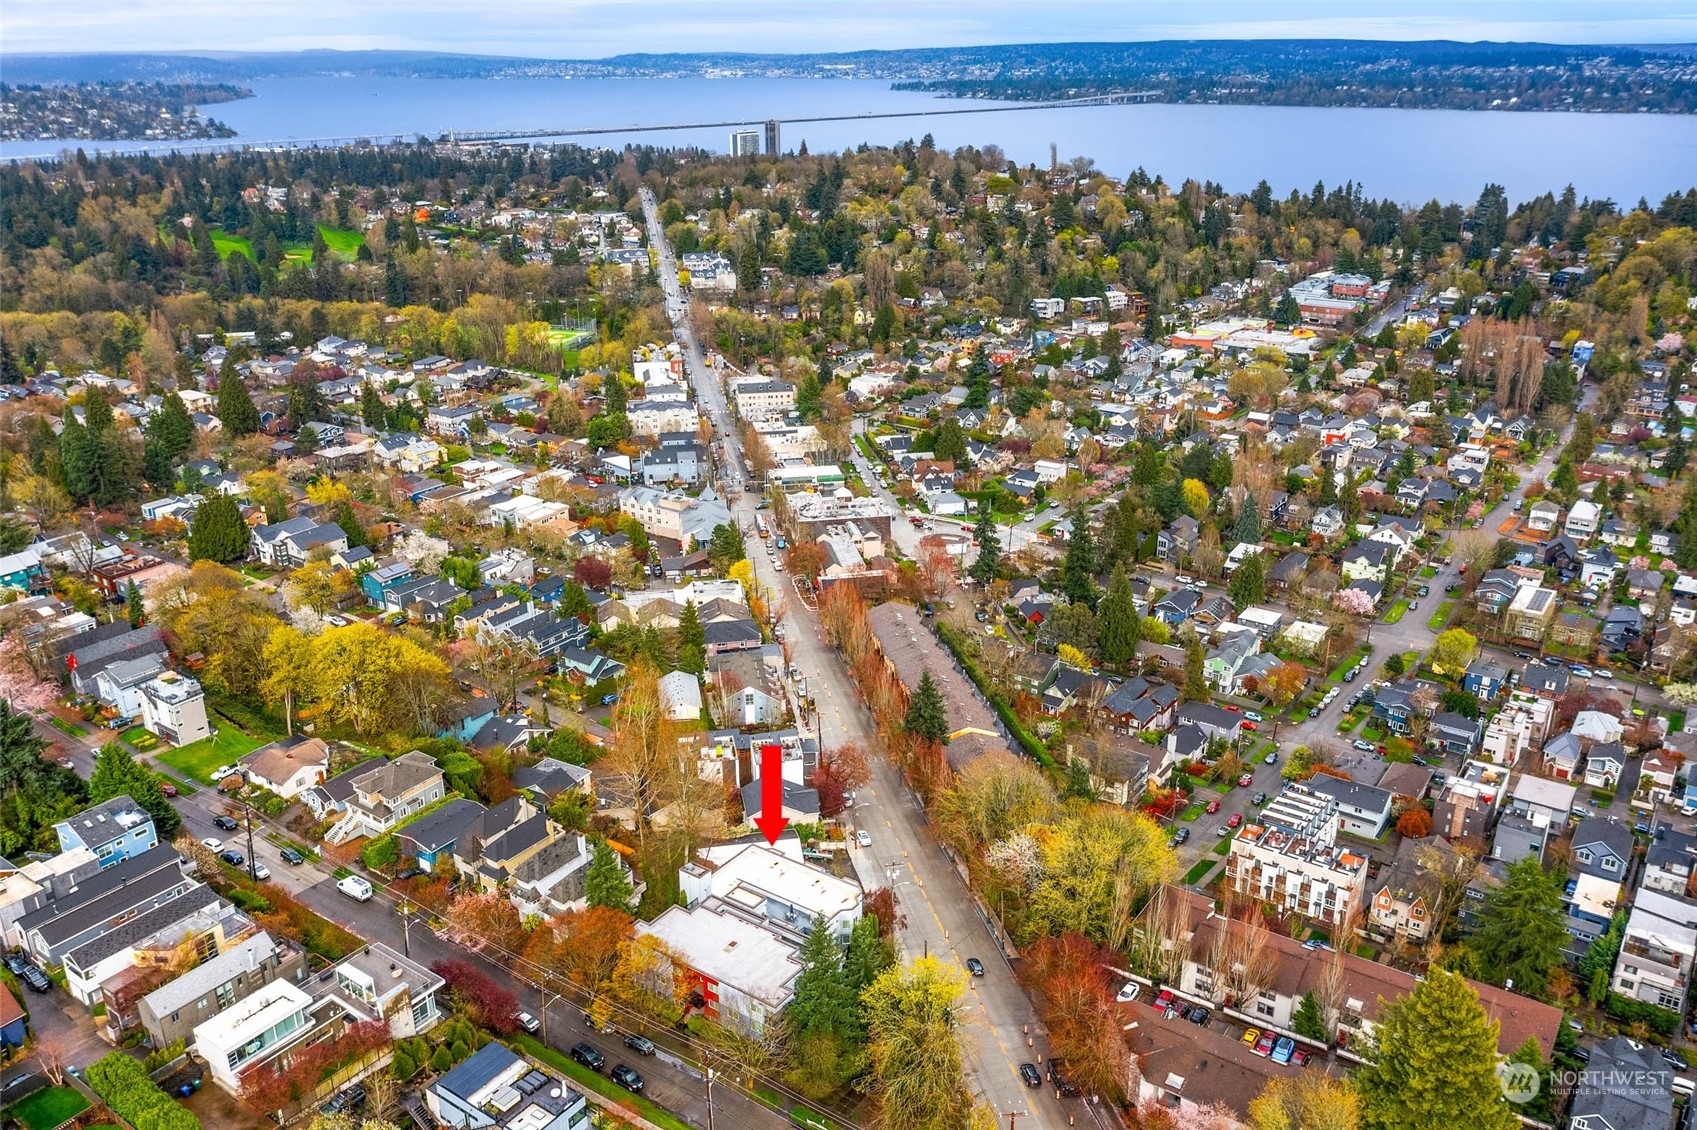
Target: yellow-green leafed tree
pixel 1311 1101
pixel 913 1035
pixel 1096 866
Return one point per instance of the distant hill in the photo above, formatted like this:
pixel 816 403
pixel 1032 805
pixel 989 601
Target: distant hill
pixel 1432 74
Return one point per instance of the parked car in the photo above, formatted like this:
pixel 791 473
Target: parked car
pixel 1182 836
pixel 1253 715
pixel 529 1023
pixel 1199 1015
pixel 1063 1083
pixel 1128 992
pixel 1258 799
pixel 1363 745
pixel 355 888
pixel 1250 1035
pixel 1252 727
pixel 1213 807
pixel 225 822
pixel 212 843
pixel 167 788
pixel 863 838
pixel 1163 1000
pixel 1264 1045
pixel 351 1099
pixel 1581 670
pixel 1236 820
pixel 292 857
pixel 1029 1075
pixel 25 970
pixel 627 1078
pixel 232 857
pixel 260 871
pixel 588 1056
pixel 1246 780
pixel 1284 1049
pixel 641 1045
pixel 1299 1058
pixel 1551 661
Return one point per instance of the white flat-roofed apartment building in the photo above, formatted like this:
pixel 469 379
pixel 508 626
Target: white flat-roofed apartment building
pixel 173 707
pixel 1288 856
pixel 744 973
pixel 253 1031
pixel 760 399
pixel 1522 724
pixel 1656 954
pixel 773 885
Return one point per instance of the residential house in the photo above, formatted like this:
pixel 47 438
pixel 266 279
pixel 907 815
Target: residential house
pixel 195 921
pixel 1287 856
pixel 497 1089
pixel 288 766
pixel 73 907
pixel 1362 810
pixel 172 1011
pixel 1602 852
pixel 384 794
pixel 1624 1084
pixel 1532 612
pixel 1177 543
pixel 1485 679
pixel 1582 520
pixel 1656 953
pixel 287 544
pixel 1604 763
pixel 114 830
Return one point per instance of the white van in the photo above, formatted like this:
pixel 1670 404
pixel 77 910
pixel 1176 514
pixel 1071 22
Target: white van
pixel 355 888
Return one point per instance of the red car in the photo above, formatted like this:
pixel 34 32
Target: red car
pixel 167 788
pixel 1246 780
pixel 1213 807
pixel 1251 727
pixel 1264 1046
pixel 1237 818
pixel 1163 1000
pixel 1233 709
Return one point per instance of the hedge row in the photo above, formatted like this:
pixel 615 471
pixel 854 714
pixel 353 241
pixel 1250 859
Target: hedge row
pixel 135 1098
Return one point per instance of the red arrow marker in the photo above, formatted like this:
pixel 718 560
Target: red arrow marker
pixel 771 820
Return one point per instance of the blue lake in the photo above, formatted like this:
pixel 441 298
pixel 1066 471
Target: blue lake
pixel 1408 155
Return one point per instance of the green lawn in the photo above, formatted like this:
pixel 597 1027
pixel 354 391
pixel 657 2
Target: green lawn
pixel 227 245
pixel 65 727
pixel 1192 813
pixel 592 1081
pixel 1203 866
pixel 1428 573
pixel 1223 846
pixel 49 1107
pixel 1437 619
pixel 1397 610
pixel 1343 668
pixel 197 761
pixel 343 244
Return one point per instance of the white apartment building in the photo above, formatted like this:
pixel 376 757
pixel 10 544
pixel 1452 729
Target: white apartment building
pixel 1656 955
pixel 759 399
pixel 676 516
pixel 1288 856
pixel 655 419
pixel 252 1031
pixel 173 707
pixel 1522 724
pixel 774 886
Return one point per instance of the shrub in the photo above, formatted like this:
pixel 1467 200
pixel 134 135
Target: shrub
pixel 382 852
pixel 460 1050
pixel 123 1083
pixel 1664 1022
pixel 160 1057
pixel 1415 824
pixel 402 1066
pixel 442 1061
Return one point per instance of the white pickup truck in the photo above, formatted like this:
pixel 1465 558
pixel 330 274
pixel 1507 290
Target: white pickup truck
pixel 355 888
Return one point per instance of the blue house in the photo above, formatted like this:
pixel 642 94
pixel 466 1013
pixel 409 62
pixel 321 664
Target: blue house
pixel 11 1020
pixel 114 830
pixel 460 720
pixel 1485 679
pixel 380 580
pixel 22 570
pixel 432 836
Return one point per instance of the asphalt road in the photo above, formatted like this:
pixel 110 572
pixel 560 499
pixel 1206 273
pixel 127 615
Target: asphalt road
pixel 941 918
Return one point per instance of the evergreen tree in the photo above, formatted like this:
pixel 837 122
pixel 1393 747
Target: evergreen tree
pixel 1248 527
pixel 1349 501
pixel 305 401
pixel 235 406
pixel 988 562
pixel 605 883
pixel 978 379
pixel 1078 566
pixel 1111 349
pixel 1432 1064
pixel 810 394
pixel 117 774
pixel 172 427
pixel 1121 626
pixel 950 443
pixel 349 521
pixel 1248 584
pixel 1195 682
pixel 823 999
pixel 613 393
pixel 1309 1021
pixel 692 640
pixel 1520 936
pixel 134 607
pixel 927 717
pixel 11 372
pixel 78 453
pixel 218 532
pixel 371 406
pixel 1328 486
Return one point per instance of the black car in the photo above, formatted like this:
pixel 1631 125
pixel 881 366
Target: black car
pixel 975 967
pixel 410 872
pixel 292 857
pixel 225 823
pixel 1199 1015
pixel 588 1056
pixel 641 1045
pixel 1057 1076
pixel 1029 1076
pixel 233 858
pixel 627 1078
pixel 26 972
pixel 351 1099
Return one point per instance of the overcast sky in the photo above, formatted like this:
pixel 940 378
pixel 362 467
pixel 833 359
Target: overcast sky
pixel 595 28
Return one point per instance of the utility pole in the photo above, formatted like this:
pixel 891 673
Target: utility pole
pixel 709 1098
pixel 405 911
